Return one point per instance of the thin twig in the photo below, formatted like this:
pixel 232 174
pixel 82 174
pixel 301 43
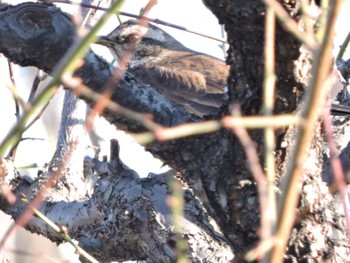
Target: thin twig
pixel 14 87
pixel 290 24
pixel 314 98
pixel 74 84
pixel 268 207
pixel 27 214
pixel 144 11
pixel 154 20
pixel 13 150
pixel 27 126
pixel 253 162
pixel 39 77
pixel 98 108
pixel 343 47
pixel 118 73
pixel 260 122
pixel 63 234
pixel 66 66
pixel 157 132
pixel 176 203
pixel 190 129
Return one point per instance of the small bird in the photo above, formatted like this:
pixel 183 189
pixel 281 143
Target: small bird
pixel 192 79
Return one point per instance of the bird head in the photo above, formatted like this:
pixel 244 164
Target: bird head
pixel 142 39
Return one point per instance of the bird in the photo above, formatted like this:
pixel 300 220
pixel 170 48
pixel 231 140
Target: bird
pixel 194 80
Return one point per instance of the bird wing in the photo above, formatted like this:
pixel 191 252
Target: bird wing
pixel 191 80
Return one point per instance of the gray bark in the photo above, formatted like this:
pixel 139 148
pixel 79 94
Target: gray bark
pixel 126 217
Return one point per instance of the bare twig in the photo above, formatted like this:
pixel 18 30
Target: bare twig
pixel 343 47
pixel 118 72
pixel 176 203
pixel 256 122
pixel 314 99
pixel 157 21
pixel 13 150
pixel 28 213
pixel 65 67
pixel 157 132
pixel 59 231
pixel 254 166
pixel 76 86
pixel 14 87
pixel 144 11
pixel 290 24
pixel 40 76
pixel 268 202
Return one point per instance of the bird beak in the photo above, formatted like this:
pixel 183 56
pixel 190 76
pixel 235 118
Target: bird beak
pixel 104 41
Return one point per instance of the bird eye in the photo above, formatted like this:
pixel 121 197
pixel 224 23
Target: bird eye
pixel 133 38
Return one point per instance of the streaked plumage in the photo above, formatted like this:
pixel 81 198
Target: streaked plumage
pixel 195 80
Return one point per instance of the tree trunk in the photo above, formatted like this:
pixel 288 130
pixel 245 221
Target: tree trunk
pixel 128 218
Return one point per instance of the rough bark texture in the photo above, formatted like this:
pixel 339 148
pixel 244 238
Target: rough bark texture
pixel 244 24
pixel 127 217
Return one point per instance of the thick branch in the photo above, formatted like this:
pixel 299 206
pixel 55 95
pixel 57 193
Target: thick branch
pixel 40 35
pixel 142 197
pixel 186 155
pixel 213 165
pixel 126 218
